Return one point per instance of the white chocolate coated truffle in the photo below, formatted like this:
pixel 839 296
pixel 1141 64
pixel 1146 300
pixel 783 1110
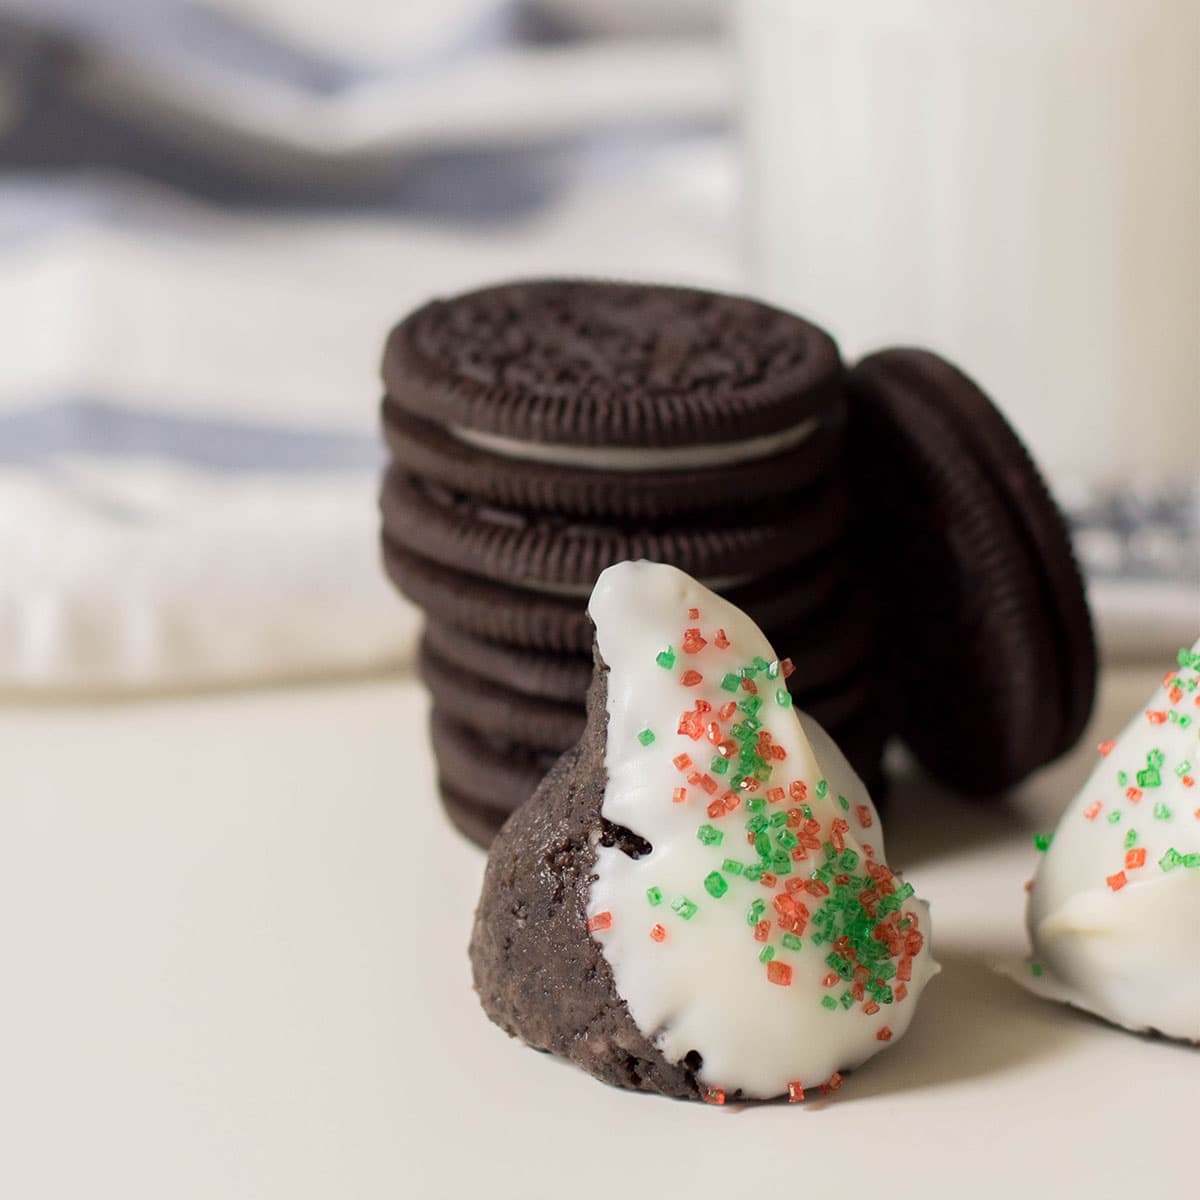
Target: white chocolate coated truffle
pixel 763 931
pixel 1114 914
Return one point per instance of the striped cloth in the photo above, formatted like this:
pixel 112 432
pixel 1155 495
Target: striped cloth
pixel 210 214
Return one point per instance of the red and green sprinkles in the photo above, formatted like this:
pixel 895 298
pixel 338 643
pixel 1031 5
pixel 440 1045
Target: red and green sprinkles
pixel 1139 782
pixel 817 888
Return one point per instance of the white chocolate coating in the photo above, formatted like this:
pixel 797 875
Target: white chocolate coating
pixel 640 458
pixel 703 987
pixel 1114 915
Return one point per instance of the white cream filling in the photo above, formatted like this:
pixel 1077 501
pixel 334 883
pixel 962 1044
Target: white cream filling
pixel 632 459
pixel 704 987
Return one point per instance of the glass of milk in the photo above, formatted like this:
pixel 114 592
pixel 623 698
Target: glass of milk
pixel 1015 183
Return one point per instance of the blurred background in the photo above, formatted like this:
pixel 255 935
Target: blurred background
pixel 211 211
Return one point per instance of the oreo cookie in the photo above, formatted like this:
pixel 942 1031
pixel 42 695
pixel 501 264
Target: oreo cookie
pixel 536 620
pixel 991 640
pixel 625 482
pixel 548 552
pixel 584 363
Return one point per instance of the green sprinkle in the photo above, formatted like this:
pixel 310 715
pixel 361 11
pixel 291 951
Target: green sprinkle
pixel 755 911
pixel 684 907
pixel 792 942
pixel 757 823
pixel 729 683
pixel 822 789
pixel 828 1002
pixel 646 737
pixel 1184 720
pixel 751 725
pixel 1035 969
pixel 845 804
pixel 1155 759
pixel 1114 816
pixel 1161 812
pixel 709 835
pixel 773 670
pixel 1192 860
pixel 751 705
pixel 846 1000
pixel 1183 768
pixel 715 885
pixel 1171 860
pixel 778 820
pixel 787 839
pixel 762 845
pixel 654 895
pixel 752 871
pixel 806 812
pixel 719 765
pixel 849 860
pixel 759 663
pixel 905 892
pixel 766 954
pixel 1131 839
pixel 756 804
pixel 783 698
pixel 1149 778
pixel 732 866
pixel 781 862
pixel 666 658
pixel 1041 841
pixel 1122 779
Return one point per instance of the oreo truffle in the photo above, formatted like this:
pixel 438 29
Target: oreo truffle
pixel 695 902
pixel 1114 914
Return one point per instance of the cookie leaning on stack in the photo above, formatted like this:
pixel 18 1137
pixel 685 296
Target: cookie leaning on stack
pixel 540 432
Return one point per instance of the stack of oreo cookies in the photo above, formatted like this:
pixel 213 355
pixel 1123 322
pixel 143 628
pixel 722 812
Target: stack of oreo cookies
pixel 541 431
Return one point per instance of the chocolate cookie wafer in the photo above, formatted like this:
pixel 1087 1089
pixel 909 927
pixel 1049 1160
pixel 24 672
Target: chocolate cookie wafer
pixel 991 636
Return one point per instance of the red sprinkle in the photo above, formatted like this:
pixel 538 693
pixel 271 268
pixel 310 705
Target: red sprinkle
pixel 731 800
pixel 1175 694
pixel 779 972
pixel 798 790
pixel 712 1095
pixel 1133 795
pixel 762 931
pixel 715 809
pixel 1156 716
pixel 693 643
pixel 691 678
pixel 901 992
pixel 1117 881
pixel 830 979
pixel 679 796
pixel 786 667
pixel 602 920
pixel 658 933
pixel 795 1091
pixel 720 640
pixel 693 614
pixel 1093 810
pixel 748 685
pixel 767 879
pixel 727 710
pixel 1135 858
pixel 1106 748
pixel 884 1035
pixel 863 813
pixel 775 795
pixel 870 1008
pixel 682 762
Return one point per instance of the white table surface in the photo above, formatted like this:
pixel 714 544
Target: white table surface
pixel 233 964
